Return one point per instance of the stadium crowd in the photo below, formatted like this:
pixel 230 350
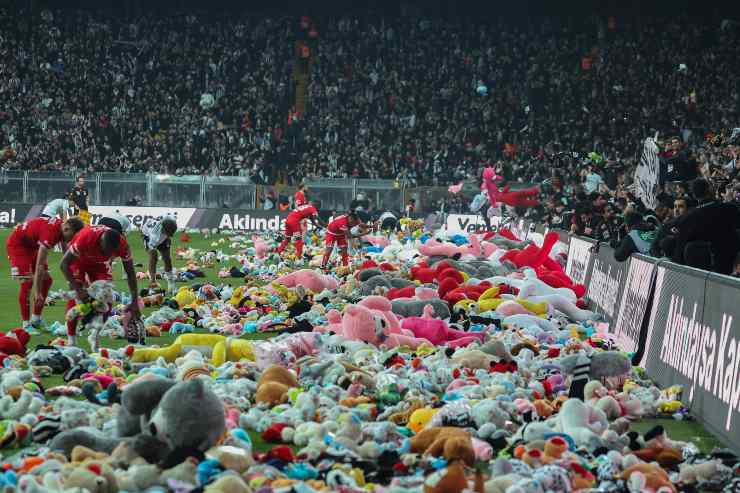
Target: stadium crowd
pixel 423 102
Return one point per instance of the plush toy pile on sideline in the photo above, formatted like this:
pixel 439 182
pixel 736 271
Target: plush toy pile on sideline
pixel 437 365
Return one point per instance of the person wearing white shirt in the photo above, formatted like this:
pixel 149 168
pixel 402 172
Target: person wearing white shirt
pixel 57 208
pixel 157 234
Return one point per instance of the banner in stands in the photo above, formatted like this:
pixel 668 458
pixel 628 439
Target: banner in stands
pixel 239 220
pixel 606 285
pixel 12 214
pixel 139 215
pixel 579 260
pixel 647 174
pixel 693 341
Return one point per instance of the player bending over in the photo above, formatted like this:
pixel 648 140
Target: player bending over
pixel 293 227
pixel 88 259
pixel 57 208
pixel 157 234
pixel 28 249
pixel 339 232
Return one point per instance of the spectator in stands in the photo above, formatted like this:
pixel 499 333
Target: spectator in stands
pixel 639 238
pixel 665 240
pixel 707 236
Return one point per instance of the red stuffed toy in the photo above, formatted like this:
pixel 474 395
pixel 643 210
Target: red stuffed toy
pixel 395 293
pixel 14 342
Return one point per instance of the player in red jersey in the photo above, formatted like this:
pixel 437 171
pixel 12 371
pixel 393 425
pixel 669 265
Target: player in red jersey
pixel 293 227
pixel 299 198
pixel 88 259
pixel 28 249
pixel 339 231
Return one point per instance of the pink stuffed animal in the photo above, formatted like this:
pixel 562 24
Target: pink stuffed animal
pixel 310 279
pixel 334 322
pixel 434 247
pixel 380 305
pixel 437 331
pixel 360 324
pixel 260 247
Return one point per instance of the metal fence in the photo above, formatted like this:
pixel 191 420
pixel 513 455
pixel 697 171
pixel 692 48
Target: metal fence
pixel 231 192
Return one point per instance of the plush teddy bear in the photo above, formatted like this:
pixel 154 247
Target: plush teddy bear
pixel 582 422
pixel 360 324
pixel 274 384
pixel 448 442
pixel 164 420
pixel 14 342
pixel 214 346
pixel 309 279
pixel 438 332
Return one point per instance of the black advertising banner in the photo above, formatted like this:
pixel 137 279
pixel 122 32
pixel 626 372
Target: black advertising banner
pixel 579 260
pixel 238 220
pixel 694 342
pixel 606 285
pixel 634 301
pixel 12 214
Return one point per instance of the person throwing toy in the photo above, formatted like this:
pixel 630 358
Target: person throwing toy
pixel 157 234
pixel 88 259
pixel 294 229
pixel 340 231
pixel 28 248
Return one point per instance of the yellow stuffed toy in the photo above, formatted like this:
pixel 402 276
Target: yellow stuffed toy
pixel 216 347
pixel 184 297
pixel 237 296
pixel 419 418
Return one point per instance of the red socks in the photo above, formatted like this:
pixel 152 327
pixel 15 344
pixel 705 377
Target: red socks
pixel 71 324
pixel 43 291
pixel 299 248
pixel 24 299
pixel 283 245
pixel 345 258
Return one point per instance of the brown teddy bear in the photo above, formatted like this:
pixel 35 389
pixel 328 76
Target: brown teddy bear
pixel 448 442
pixel 273 385
pixel 92 475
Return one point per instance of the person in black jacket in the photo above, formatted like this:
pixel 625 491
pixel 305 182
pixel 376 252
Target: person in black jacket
pixel 638 240
pixel 707 237
pixel 665 242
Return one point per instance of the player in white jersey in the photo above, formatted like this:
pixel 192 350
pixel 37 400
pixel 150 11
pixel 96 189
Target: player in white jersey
pixel 157 234
pixel 117 221
pixel 57 208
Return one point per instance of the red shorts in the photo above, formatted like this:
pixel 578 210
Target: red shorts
pixel 23 262
pixel 340 241
pixel 88 273
pixel 293 229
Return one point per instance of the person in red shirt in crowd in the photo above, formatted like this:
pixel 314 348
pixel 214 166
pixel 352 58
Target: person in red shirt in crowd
pixel 88 259
pixel 339 231
pixel 28 249
pixel 294 229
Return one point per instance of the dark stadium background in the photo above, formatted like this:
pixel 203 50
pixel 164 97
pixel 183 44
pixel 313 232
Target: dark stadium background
pixel 446 8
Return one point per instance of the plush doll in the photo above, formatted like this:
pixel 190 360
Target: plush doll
pixel 14 342
pixel 448 442
pixel 214 346
pixel 260 247
pixel 437 331
pixel 380 305
pixel 415 308
pixel 164 420
pixel 434 247
pixel 582 422
pixel 525 197
pixel 360 324
pixel 274 384
pixel 651 476
pixel 309 279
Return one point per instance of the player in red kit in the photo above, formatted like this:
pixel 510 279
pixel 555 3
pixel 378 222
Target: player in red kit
pixel 299 199
pixel 338 232
pixel 293 227
pixel 28 249
pixel 88 259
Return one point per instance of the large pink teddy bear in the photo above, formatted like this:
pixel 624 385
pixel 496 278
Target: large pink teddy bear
pixel 381 306
pixel 310 279
pixel 360 324
pixel 333 323
pixel 438 332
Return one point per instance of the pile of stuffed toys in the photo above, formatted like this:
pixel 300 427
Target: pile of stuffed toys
pixel 438 365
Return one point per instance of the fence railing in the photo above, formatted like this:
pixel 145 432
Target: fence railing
pixel 202 191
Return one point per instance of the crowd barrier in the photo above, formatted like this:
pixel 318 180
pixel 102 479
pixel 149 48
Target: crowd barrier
pixel 676 321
